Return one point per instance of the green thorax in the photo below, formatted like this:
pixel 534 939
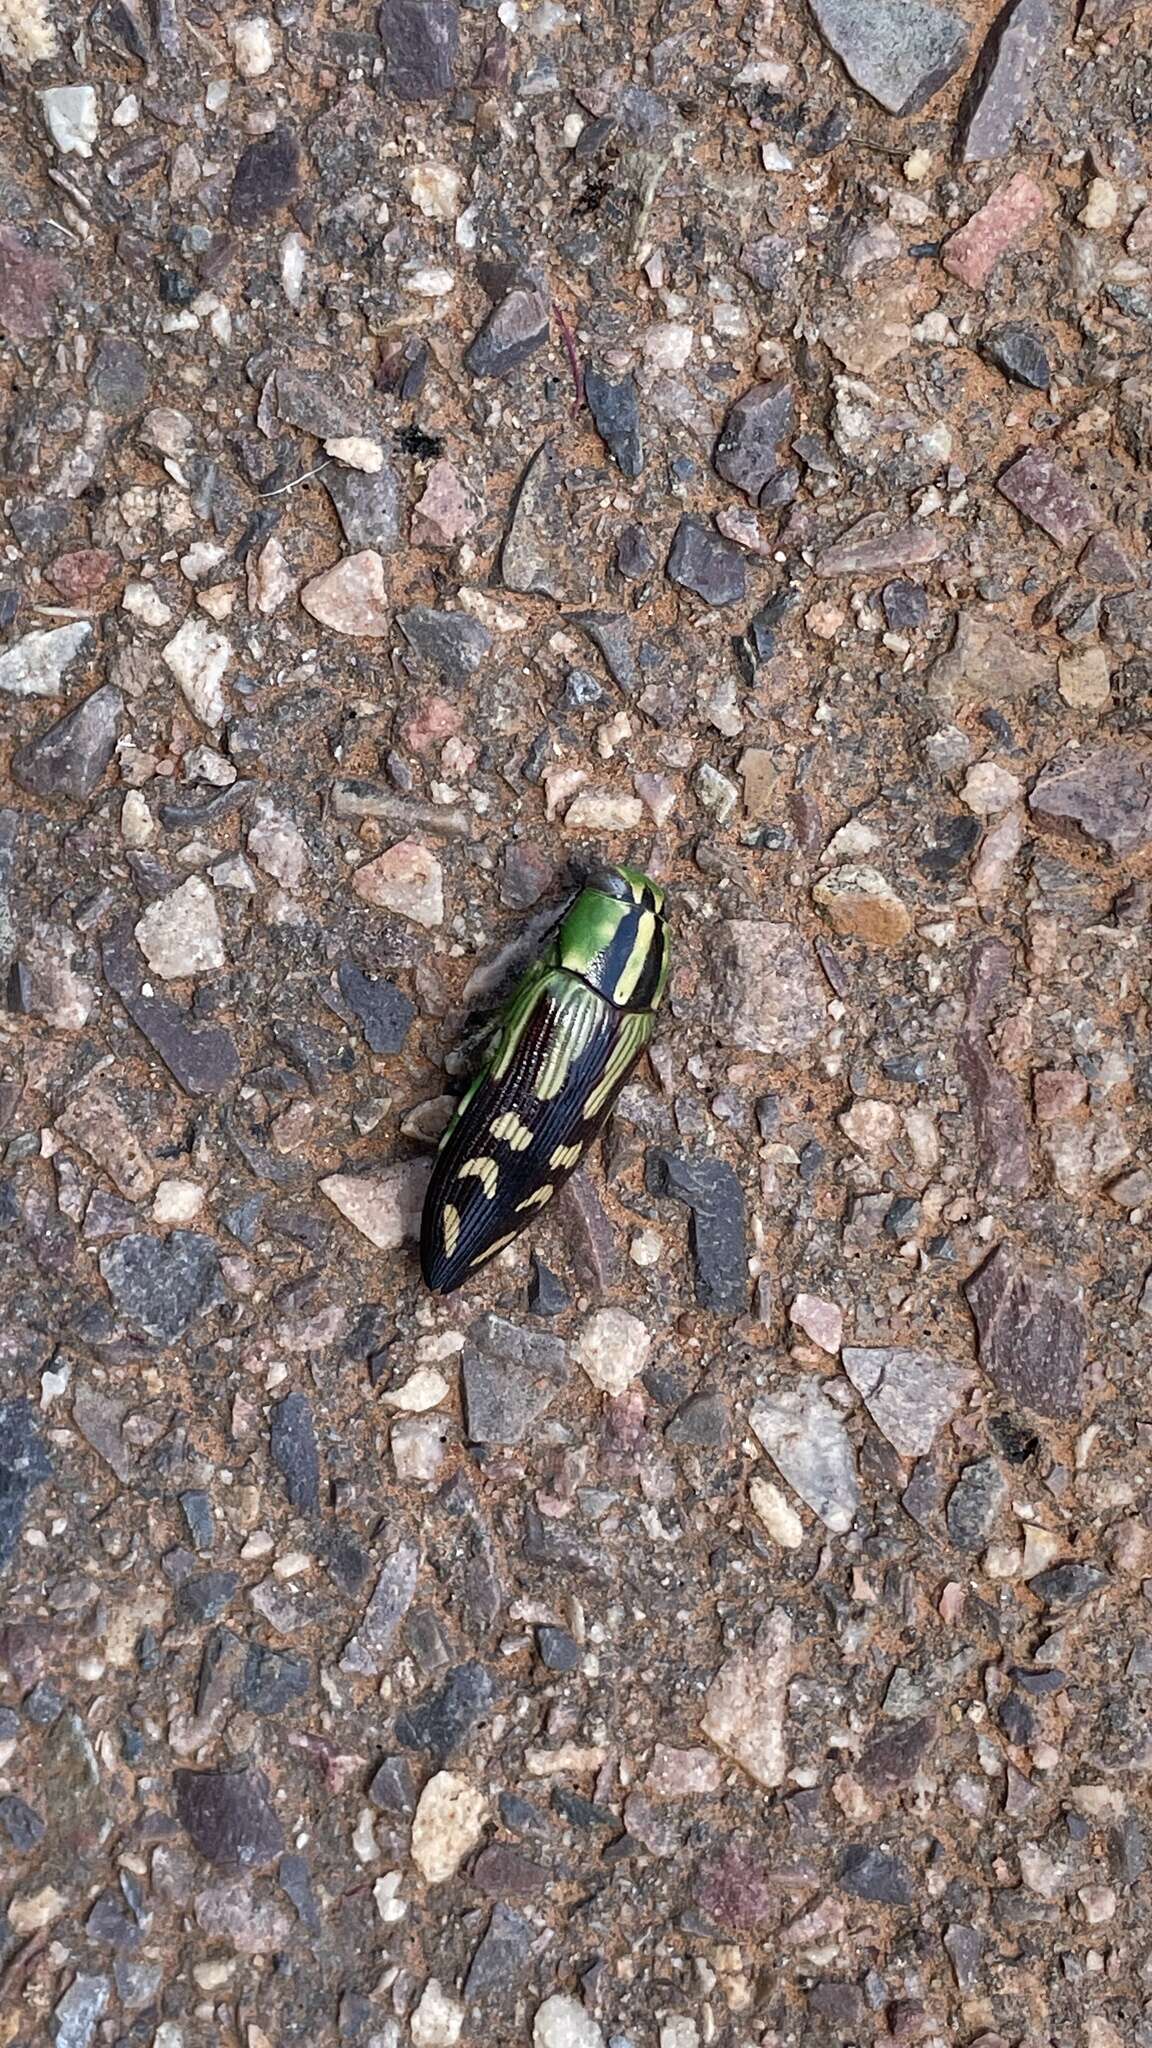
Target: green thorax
pixel 614 938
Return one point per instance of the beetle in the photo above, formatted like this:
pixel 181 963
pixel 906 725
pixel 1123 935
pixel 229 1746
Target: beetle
pixel 566 1042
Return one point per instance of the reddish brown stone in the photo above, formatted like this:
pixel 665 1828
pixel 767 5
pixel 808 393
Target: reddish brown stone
pixel 972 253
pixel 82 572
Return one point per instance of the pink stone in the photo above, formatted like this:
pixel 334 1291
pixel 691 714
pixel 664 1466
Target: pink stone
pixel 406 879
pixel 820 1320
pixel 1047 495
pixel 82 572
pixel 1058 1092
pixel 973 251
pixel 436 720
pixel 351 597
pixel 445 513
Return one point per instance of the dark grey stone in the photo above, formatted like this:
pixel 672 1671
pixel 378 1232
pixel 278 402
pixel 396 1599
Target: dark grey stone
pixel 874 1874
pixel 611 635
pixel 558 1650
pixel 538 556
pixel 1066 1585
pixel 974 1503
pixel 899 51
pixel 634 557
pixel 702 1421
pixel 421 41
pixel 905 605
pixel 454 644
pixel 703 562
pixel 547 1295
pixel 747 453
pixel 368 1650
pixel 69 757
pixel 393 1788
pixel 368 507
pixel 205 1596
pixel 892 1758
pixel 272 1679
pixel 321 404
pixel 120 379
pixel 384 1012
pixel 164 1285
pixel 295 1881
pixel 199 1518
pixel 500 1963
pixel 228 1816
pixel 79 2012
pixel 20 1823
pixel 24 1465
pixel 267 178
pixel 1032 1334
pixel 441 1722
pixel 513 331
pixel 998 97
pixel 1020 353
pixel 201 1060
pixel 712 1191
pixel 509 1378
pixel 615 407
pixel 292 1445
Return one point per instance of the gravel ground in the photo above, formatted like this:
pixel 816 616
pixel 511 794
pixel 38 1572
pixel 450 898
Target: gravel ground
pixel 439 447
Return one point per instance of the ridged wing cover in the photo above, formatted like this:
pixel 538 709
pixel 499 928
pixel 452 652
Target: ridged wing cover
pixel 522 1128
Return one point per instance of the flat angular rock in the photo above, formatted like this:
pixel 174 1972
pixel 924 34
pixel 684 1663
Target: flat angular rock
pixel 985 661
pixel 421 41
pixel 35 665
pixel 201 1059
pixel 31 287
pixel 612 1348
pixel 164 1285
pixel 500 1962
pixel 351 597
pixel 80 2011
pixel 974 1504
pixel 1020 352
pixel 368 1651
pixel 909 1394
pixel 24 1465
pixel 229 1817
pixel 510 1377
pixel 367 506
pixel 999 94
pixel 747 453
pixel 442 1721
pixel 385 1014
pixel 1032 1332
pixel 292 1446
pixel 406 878
pixel 447 1825
pixel 180 933
pixel 384 1207
pixel 267 178
pixel 808 1444
pixel 875 1874
pixel 745 1710
pixel 711 1190
pixel 94 1120
pixel 1049 497
pixel 1104 795
pixel 900 52
pixel 70 758
pixel 321 403
pixel 771 996
pixel 199 658
pixel 615 408
pixel 703 562
pixel 863 551
pixel 513 331
pixel 972 253
pixel 453 643
pixel 120 379
pixel 538 555
pixel 998 1112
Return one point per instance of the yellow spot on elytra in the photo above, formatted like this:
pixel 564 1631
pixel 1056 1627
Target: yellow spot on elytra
pixel 565 1155
pixel 485 1170
pixel 513 1130
pixel 451 1222
pixel 537 1198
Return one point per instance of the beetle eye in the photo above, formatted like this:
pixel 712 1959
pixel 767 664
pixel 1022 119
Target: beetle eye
pixel 611 883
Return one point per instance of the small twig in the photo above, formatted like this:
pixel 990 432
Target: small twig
pixel 569 340
pixel 291 486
